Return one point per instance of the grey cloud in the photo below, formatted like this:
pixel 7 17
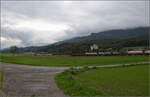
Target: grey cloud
pixel 24 37
pixel 82 18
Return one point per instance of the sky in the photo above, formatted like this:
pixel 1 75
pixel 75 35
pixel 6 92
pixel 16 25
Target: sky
pixel 38 23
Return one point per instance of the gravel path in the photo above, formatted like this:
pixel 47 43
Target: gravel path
pixel 26 81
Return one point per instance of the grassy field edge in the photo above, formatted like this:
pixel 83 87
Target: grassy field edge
pixel 71 61
pixel 70 83
pixel 66 81
pixel 1 79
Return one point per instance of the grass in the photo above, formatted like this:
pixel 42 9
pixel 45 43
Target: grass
pixel 135 48
pixel 1 79
pixel 71 60
pixel 73 87
pixel 116 81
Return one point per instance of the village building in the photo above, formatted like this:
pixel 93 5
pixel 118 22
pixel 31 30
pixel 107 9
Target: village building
pixel 94 47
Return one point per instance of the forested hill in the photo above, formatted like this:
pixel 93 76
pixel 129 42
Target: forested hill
pixel 114 34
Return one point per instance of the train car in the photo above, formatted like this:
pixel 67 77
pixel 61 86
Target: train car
pixel 135 52
pixel 91 54
pixel 147 52
pixel 78 54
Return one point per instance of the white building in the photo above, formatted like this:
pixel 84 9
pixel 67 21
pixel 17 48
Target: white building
pixel 94 47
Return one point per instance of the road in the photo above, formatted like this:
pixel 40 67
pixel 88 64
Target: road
pixel 26 81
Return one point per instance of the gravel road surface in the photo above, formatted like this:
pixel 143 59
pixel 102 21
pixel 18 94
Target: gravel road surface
pixel 27 81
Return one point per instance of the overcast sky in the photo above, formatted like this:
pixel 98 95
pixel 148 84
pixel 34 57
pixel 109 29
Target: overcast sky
pixel 36 23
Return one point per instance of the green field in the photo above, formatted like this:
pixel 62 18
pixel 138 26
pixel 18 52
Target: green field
pixel 1 79
pixel 116 81
pixel 135 48
pixel 71 60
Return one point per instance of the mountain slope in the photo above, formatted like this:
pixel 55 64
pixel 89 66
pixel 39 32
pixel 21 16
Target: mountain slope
pixel 115 39
pixel 114 34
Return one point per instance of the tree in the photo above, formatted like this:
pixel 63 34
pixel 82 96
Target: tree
pixel 122 52
pixel 13 49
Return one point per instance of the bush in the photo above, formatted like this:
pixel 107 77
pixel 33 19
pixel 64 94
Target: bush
pixel 94 67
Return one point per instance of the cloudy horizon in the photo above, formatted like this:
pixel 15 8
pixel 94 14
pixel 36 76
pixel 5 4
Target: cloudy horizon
pixel 37 23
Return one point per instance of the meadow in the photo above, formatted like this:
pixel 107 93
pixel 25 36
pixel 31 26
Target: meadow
pixel 1 79
pixel 115 81
pixel 136 48
pixel 70 60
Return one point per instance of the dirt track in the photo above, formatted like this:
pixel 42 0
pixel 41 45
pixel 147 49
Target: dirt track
pixel 26 81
